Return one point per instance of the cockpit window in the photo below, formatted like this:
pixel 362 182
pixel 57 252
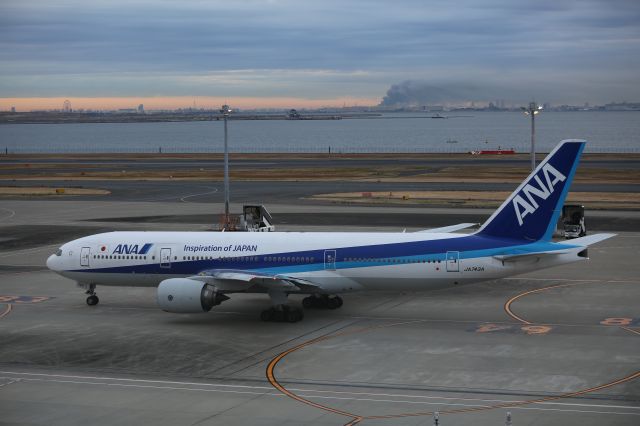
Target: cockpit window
pixel 59 252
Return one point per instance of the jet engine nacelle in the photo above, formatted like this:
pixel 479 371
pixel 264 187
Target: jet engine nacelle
pixel 184 295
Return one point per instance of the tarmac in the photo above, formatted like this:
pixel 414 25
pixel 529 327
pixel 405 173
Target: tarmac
pixel 559 346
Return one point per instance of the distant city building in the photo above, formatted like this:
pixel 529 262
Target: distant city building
pixel 13 109
pixel 433 108
pixel 66 106
pixel 293 114
pixel 141 109
pixel 622 106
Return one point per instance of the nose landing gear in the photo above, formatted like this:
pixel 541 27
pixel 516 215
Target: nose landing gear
pixel 92 300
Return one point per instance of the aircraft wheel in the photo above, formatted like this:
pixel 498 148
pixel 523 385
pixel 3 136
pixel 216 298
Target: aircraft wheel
pixel 293 315
pixel 267 315
pixel 334 302
pixel 339 300
pixel 308 302
pixel 92 300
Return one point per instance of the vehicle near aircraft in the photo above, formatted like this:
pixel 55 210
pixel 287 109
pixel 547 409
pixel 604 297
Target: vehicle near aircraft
pixel 573 221
pixel 195 271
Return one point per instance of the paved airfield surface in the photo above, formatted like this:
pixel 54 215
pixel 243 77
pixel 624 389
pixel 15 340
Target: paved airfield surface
pixel 560 346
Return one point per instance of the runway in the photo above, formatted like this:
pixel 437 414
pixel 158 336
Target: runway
pixel 567 354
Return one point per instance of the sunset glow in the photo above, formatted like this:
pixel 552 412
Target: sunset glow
pixel 176 102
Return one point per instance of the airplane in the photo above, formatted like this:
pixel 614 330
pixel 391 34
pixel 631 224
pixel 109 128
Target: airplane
pixel 195 271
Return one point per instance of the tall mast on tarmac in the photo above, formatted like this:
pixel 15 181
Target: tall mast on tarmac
pixel 226 111
pixel 532 110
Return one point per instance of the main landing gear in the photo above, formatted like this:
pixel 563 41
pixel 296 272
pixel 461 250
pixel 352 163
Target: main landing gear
pixel 92 300
pixel 280 311
pixel 322 302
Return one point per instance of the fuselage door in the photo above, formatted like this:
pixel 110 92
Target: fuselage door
pixel 85 252
pixel 453 261
pixel 330 260
pixel 165 258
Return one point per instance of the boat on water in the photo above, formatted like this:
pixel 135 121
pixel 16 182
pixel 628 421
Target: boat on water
pixel 494 152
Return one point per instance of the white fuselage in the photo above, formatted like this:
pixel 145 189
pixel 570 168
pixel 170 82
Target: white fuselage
pixel 337 262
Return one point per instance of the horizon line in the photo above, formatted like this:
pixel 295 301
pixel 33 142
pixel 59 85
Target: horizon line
pixel 179 102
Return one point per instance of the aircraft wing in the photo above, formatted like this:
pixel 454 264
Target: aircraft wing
pixel 450 228
pixel 266 280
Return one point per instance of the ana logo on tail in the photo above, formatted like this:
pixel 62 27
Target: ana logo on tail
pixel 545 188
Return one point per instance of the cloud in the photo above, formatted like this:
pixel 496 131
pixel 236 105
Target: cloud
pixel 309 49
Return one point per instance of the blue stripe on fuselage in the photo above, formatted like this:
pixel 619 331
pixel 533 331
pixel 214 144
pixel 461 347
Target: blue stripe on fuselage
pixel 472 246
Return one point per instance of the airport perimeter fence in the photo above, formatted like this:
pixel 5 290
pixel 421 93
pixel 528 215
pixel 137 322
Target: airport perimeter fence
pixel 290 149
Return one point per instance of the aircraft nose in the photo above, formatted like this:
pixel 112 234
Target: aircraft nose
pixel 51 262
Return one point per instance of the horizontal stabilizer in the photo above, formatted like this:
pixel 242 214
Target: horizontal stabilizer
pixel 590 239
pixel 450 228
pixel 523 255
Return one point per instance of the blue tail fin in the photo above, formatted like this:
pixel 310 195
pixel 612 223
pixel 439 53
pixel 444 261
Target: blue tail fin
pixel 532 211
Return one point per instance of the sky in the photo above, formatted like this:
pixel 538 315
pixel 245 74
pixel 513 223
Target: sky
pixel 282 53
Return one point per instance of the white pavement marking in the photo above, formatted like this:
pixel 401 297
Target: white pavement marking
pixel 75 209
pixel 26 251
pixel 567 280
pixel 9 382
pixel 12 213
pixel 183 199
pixel 308 393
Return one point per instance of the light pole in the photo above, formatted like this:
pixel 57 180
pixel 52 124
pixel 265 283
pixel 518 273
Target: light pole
pixel 533 109
pixel 225 111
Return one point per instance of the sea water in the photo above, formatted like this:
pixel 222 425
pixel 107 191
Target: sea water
pixel 393 132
